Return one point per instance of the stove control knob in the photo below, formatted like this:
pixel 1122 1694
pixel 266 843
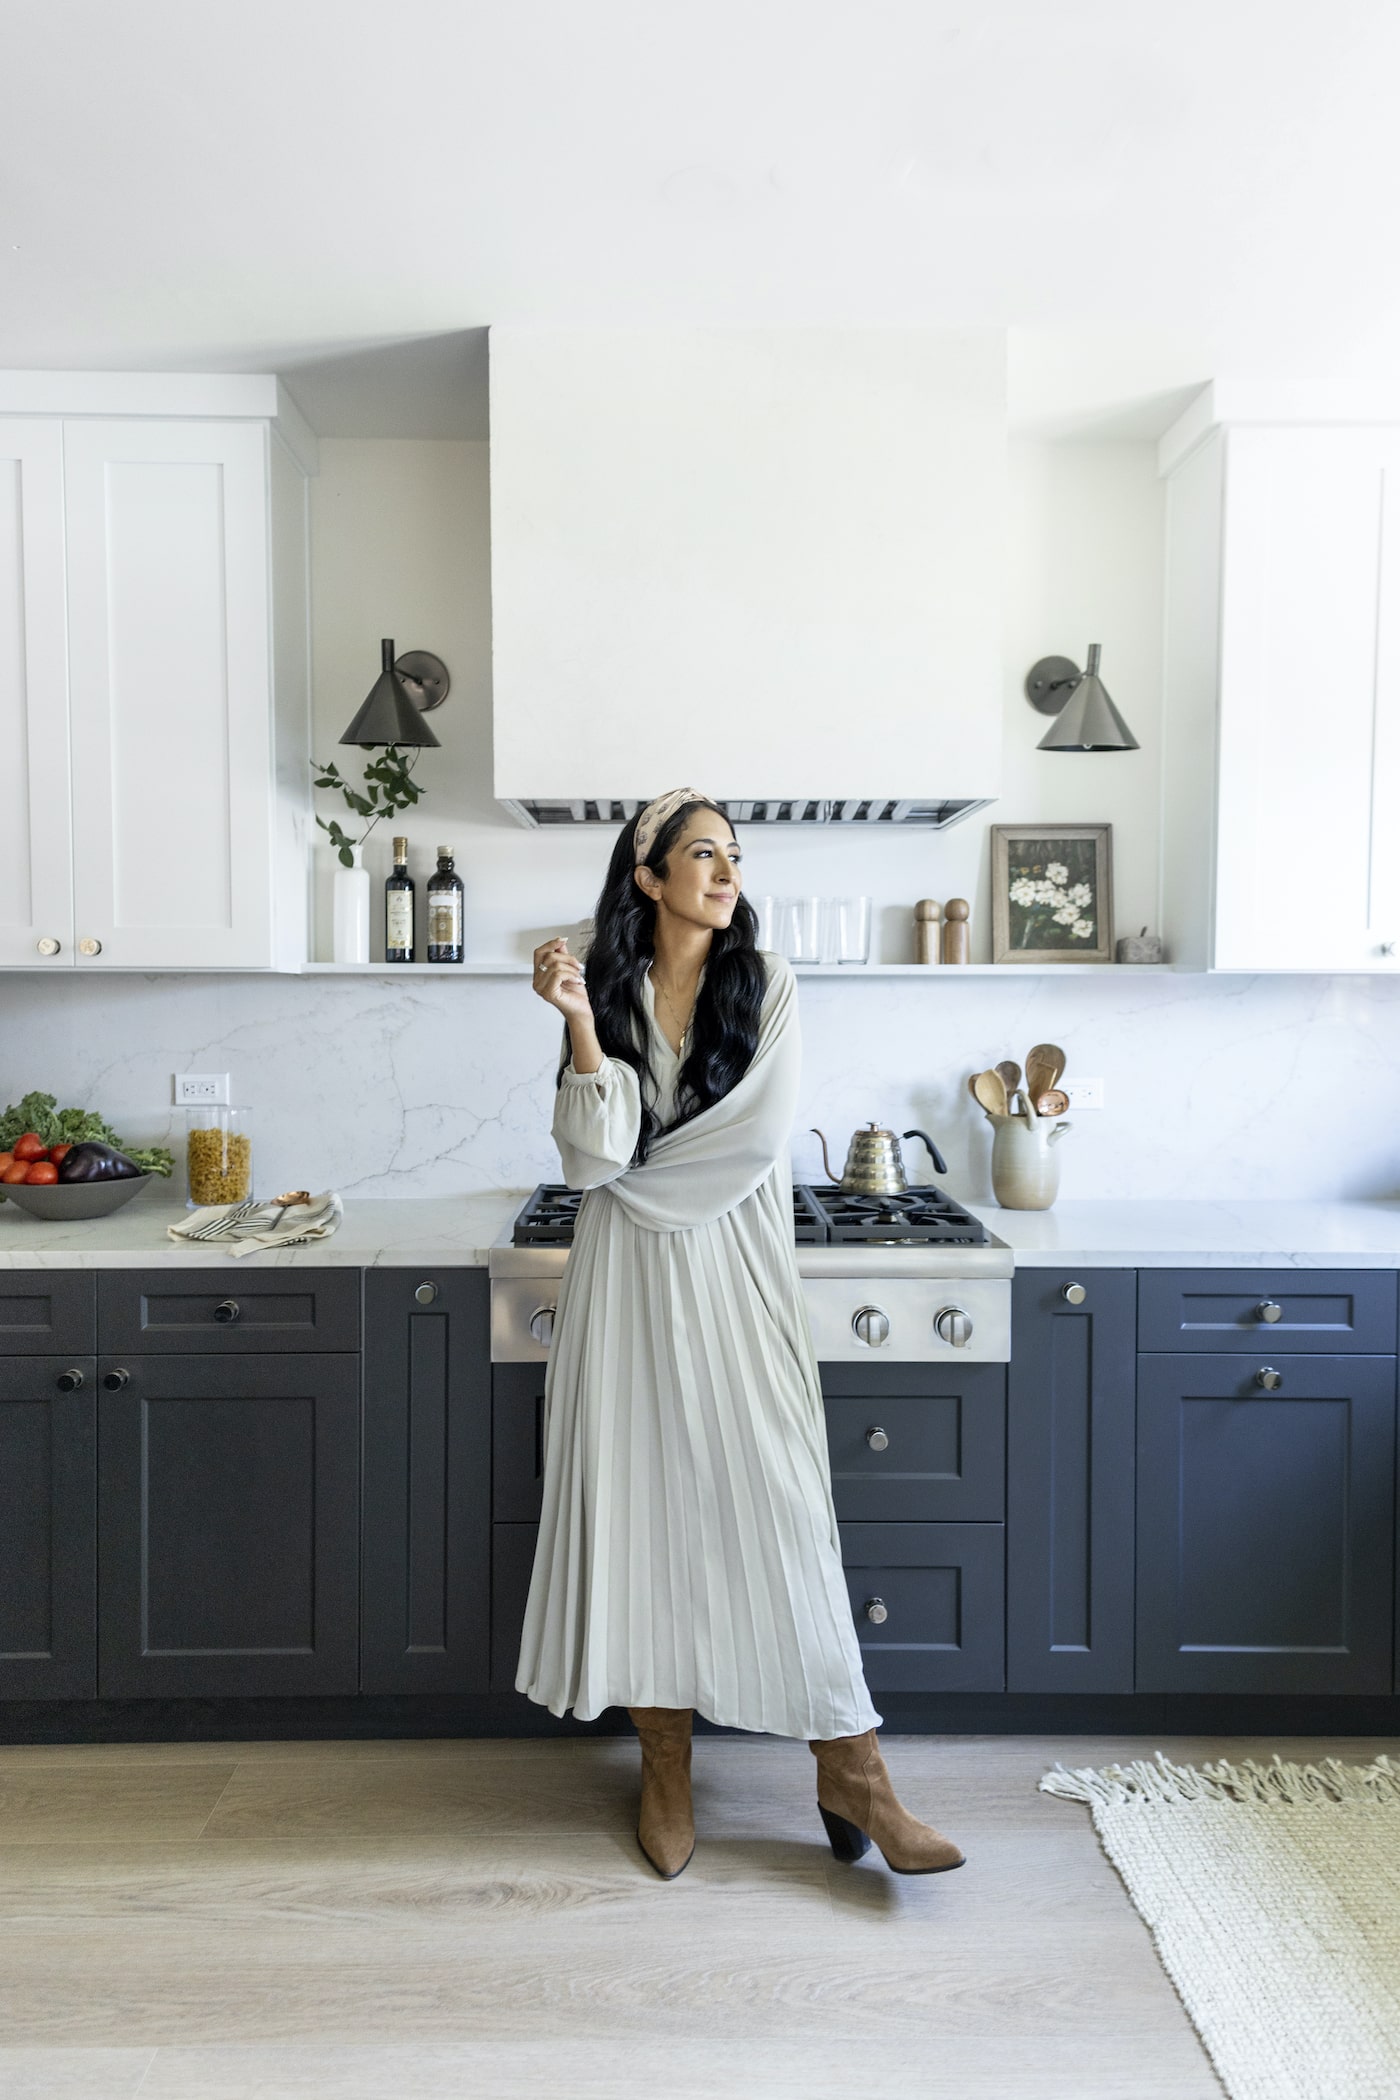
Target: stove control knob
pixel 878 1439
pixel 877 1611
pixel 871 1326
pixel 953 1326
pixel 542 1325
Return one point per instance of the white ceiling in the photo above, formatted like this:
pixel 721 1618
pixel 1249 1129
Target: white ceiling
pixel 1145 196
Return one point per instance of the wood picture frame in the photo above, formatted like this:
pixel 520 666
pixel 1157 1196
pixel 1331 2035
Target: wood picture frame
pixel 1040 876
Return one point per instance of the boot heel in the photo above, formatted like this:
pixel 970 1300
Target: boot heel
pixel 848 1841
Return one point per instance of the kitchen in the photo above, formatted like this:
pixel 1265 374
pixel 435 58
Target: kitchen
pixel 1237 1178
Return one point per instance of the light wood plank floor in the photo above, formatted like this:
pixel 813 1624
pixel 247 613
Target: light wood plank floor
pixel 359 1921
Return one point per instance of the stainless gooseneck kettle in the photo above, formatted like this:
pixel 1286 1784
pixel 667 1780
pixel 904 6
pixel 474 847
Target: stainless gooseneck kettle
pixel 874 1166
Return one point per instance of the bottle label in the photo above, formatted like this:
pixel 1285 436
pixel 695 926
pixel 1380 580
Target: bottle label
pixel 445 919
pixel 398 919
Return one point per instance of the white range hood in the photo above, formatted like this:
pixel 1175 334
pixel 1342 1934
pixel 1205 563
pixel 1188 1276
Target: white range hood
pixel 765 562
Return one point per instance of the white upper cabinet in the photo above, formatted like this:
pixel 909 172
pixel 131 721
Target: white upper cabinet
pixel 1282 690
pixel 139 690
pixel 36 879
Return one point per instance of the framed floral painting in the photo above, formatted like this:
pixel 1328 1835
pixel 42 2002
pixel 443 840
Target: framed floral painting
pixel 1052 893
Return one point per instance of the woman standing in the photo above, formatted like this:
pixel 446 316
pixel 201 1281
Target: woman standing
pixel 688 1557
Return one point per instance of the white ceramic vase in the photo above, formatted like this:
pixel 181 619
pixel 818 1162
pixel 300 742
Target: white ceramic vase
pixel 350 912
pixel 1025 1164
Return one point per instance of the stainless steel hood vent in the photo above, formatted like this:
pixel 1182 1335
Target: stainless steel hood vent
pixel 935 816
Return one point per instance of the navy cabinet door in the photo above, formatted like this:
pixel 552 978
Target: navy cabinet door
pixel 1069 1482
pixel 427 1516
pixel 916 1443
pixel 1265 1524
pixel 228 1526
pixel 48 1528
pixel 929 1605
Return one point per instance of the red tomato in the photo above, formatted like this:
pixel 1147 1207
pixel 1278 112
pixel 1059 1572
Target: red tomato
pixel 7 1159
pixel 18 1172
pixel 41 1170
pixel 30 1146
pixel 56 1152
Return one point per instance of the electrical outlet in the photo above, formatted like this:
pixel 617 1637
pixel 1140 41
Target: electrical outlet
pixel 198 1089
pixel 1083 1093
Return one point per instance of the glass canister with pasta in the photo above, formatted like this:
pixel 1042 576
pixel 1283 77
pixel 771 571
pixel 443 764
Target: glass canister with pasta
pixel 218 1155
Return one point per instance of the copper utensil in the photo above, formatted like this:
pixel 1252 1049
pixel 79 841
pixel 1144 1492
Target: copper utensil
pixel 1053 1102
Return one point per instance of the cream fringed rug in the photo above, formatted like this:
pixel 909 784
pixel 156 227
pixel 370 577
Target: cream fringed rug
pixel 1273 1895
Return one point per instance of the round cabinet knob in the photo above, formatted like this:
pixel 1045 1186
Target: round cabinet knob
pixel 542 1324
pixel 426 1293
pixel 48 945
pixel 69 1381
pixel 877 1611
pixel 1269 1378
pixel 115 1380
pixel 871 1326
pixel 953 1326
pixel 227 1311
pixel 1389 947
pixel 877 1439
pixel 1268 1312
pixel 1073 1293
pixel 89 946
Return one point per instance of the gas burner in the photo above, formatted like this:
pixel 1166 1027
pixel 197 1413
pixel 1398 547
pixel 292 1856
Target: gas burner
pixel 548 1217
pixel 824 1215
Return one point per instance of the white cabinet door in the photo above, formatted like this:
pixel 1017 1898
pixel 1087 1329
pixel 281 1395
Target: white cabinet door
pixel 1305 867
pixel 170 689
pixel 36 881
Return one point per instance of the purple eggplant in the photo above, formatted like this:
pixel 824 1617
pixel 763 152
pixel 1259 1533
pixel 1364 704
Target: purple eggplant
pixel 94 1162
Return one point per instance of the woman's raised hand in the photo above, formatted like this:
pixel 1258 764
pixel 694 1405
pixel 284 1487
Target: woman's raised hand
pixel 559 979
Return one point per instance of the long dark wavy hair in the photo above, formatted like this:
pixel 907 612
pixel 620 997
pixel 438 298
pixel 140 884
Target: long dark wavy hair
pixel 724 1029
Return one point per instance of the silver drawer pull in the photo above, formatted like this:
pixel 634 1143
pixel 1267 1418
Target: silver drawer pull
pixel 1268 1312
pixel 115 1380
pixel 1073 1293
pixel 227 1311
pixel 69 1381
pixel 1269 1378
pixel 877 1439
pixel 877 1611
pixel 426 1293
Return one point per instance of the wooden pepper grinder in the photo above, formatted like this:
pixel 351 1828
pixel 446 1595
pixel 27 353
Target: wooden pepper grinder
pixel 957 935
pixel 928 945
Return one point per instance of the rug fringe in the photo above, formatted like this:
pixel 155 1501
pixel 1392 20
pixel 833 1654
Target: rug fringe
pixel 1291 1786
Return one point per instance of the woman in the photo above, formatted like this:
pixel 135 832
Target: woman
pixel 688 1557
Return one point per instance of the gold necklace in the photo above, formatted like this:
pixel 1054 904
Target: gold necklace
pixel 657 985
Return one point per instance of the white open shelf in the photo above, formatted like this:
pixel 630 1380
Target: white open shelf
pixel 933 971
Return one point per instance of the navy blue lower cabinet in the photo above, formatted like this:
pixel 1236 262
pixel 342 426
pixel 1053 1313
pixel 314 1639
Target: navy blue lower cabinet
pixel 228 1525
pixel 929 1605
pixel 917 1443
pixel 512 1559
pixel 48 1522
pixel 1069 1481
pixel 426 1569
pixel 1266 1523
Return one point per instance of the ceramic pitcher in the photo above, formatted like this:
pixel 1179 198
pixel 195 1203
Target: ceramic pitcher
pixel 1025 1165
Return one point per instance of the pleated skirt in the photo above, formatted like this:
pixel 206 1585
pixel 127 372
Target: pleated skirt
pixel 688 1553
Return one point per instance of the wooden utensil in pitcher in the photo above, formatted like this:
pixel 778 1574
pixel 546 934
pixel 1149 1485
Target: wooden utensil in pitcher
pixel 989 1091
pixel 1044 1064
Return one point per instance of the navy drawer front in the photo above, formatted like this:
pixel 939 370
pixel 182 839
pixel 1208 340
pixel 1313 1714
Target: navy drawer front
pixel 1326 1310
pixel 943 1591
pixel 938 1455
pixel 47 1310
pixel 191 1310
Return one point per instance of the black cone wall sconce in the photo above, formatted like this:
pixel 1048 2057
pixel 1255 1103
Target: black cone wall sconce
pixel 1085 717
pixel 399 698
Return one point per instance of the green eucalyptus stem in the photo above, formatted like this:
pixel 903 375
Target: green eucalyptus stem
pixel 389 787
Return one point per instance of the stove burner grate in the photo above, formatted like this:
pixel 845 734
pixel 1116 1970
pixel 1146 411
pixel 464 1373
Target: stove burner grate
pixel 822 1215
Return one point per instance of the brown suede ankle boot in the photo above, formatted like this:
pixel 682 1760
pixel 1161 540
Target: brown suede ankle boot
pixel 857 1803
pixel 665 1826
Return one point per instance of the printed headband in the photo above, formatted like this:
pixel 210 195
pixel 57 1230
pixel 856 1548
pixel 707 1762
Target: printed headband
pixel 652 818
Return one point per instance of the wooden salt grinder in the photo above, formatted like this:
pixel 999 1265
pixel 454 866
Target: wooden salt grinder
pixel 927 939
pixel 957 936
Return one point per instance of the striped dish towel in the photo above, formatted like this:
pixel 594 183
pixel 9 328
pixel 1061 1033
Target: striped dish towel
pixel 266 1225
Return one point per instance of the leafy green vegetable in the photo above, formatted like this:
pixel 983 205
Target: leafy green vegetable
pixel 73 1126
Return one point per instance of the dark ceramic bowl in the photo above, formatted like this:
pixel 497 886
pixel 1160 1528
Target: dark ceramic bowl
pixel 58 1201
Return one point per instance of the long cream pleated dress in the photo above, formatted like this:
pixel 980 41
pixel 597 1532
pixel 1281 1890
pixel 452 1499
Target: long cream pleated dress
pixel 688 1553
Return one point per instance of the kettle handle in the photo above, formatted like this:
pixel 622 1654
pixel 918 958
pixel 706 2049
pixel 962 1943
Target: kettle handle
pixel 940 1164
pixel 825 1161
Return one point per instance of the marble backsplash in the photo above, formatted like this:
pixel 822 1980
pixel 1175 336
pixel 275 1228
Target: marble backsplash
pixel 1214 1087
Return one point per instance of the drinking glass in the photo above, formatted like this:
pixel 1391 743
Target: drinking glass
pixel 805 945
pixel 767 910
pixel 852 917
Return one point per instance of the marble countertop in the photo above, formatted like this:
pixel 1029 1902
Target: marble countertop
pixel 404 1232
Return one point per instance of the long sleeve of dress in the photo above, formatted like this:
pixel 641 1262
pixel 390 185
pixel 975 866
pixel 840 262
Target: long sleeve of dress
pixel 697 1171
pixel 597 1116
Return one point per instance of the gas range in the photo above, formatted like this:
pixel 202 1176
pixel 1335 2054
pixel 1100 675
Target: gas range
pixel 912 1278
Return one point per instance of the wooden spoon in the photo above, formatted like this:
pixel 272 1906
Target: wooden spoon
pixel 1044 1065
pixel 1011 1074
pixel 989 1091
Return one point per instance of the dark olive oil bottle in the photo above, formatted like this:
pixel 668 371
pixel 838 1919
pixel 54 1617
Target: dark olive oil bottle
pixel 398 908
pixel 444 911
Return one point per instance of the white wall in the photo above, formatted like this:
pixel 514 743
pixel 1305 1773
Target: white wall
pixel 1216 1087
